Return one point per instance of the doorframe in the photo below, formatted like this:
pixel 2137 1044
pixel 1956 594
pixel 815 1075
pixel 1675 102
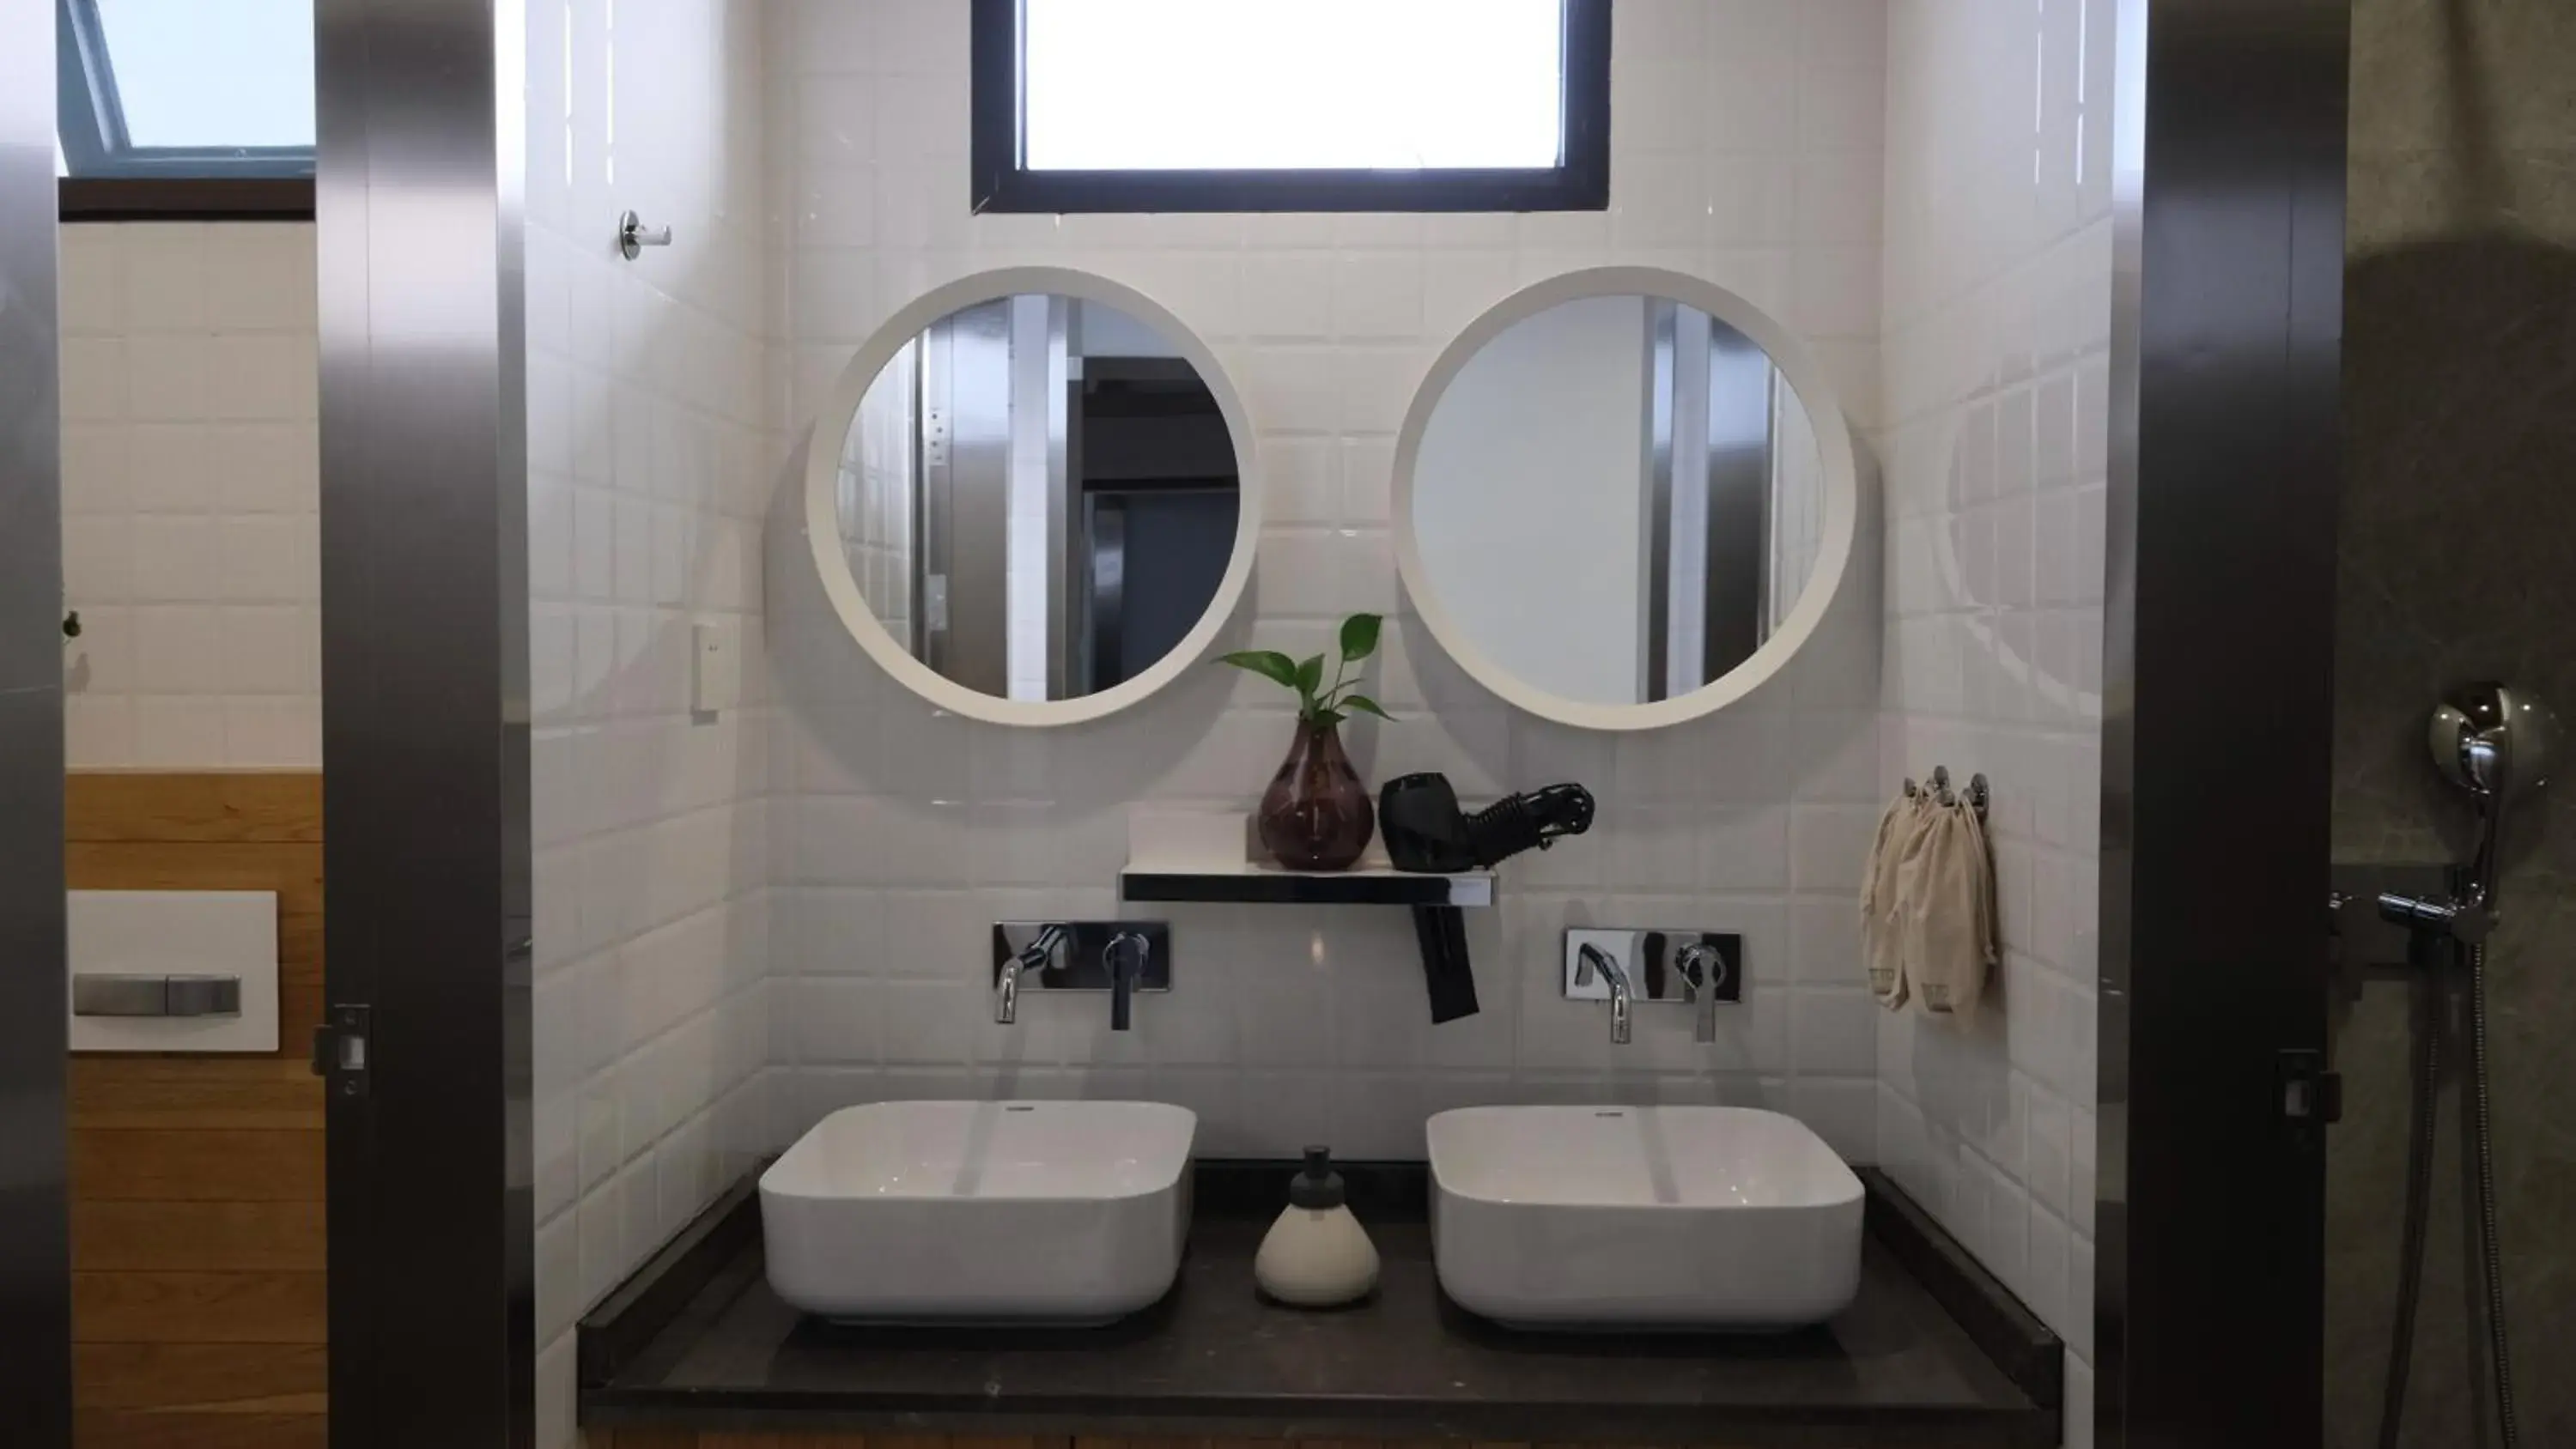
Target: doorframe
pixel 2218 717
pixel 35 1213
pixel 419 208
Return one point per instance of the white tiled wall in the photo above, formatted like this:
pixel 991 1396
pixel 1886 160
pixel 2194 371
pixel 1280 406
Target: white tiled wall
pixel 1997 314
pixel 648 470
pixel 1747 151
pixel 190 489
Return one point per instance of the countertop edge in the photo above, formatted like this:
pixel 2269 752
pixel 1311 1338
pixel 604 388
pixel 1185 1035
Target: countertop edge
pixel 1315 1417
pixel 621 1330
pixel 2003 1328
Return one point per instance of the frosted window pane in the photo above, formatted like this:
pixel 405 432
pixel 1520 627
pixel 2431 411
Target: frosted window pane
pixel 196 74
pixel 1159 85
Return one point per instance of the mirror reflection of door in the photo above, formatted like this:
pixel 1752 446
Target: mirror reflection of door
pixel 1619 499
pixel 1039 497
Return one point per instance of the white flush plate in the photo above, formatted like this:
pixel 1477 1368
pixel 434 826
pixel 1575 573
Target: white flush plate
pixel 177 933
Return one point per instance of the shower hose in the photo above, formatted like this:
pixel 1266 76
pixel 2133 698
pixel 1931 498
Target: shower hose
pixel 2431 996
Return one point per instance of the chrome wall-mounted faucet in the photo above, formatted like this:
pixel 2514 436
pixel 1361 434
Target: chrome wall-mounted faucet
pixel 1121 958
pixel 1590 959
pixel 1037 956
pixel 1627 967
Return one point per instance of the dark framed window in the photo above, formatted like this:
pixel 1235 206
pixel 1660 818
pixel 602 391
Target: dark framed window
pixel 1291 105
pixel 184 108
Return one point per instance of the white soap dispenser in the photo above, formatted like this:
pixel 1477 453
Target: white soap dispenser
pixel 1317 1255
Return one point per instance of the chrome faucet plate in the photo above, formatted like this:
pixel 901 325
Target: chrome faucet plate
pixel 1653 961
pixel 1081 960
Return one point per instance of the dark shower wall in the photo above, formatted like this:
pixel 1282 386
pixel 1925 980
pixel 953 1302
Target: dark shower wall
pixel 2458 542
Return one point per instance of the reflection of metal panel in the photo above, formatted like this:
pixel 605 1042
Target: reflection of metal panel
pixel 1108 611
pixel 968 493
pixel 930 503
pixel 1057 597
pixel 1036 343
pixel 1686 528
pixel 1708 505
pixel 1656 564
pixel 1737 500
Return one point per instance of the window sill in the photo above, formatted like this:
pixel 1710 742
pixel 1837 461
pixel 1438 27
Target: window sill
pixel 187 198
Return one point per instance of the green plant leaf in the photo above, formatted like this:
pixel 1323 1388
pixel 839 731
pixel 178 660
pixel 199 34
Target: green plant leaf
pixel 1365 705
pixel 1278 668
pixel 1359 636
pixel 1323 718
pixel 1310 675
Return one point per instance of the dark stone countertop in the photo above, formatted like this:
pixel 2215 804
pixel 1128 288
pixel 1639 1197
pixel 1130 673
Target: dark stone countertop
pixel 1214 1359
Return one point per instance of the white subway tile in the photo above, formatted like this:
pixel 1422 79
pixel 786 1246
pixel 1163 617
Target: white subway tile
pixel 164 276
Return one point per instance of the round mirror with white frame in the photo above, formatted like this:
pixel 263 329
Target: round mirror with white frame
pixel 1624 498
pixel 1032 497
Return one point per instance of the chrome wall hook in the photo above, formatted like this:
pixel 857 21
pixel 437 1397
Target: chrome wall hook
pixel 632 238
pixel 1939 789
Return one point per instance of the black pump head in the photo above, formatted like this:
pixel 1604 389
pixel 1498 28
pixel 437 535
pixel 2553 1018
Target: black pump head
pixel 1318 1186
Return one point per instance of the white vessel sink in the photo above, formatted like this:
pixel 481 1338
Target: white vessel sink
pixel 1642 1217
pixel 981 1212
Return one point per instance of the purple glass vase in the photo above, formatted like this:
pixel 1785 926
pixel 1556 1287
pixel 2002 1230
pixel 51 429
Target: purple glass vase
pixel 1316 814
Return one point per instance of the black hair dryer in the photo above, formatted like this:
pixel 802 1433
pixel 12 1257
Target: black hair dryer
pixel 1425 831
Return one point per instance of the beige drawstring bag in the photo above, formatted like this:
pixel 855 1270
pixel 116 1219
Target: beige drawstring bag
pixel 1945 904
pixel 1881 928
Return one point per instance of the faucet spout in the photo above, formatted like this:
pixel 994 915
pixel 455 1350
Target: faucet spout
pixel 1589 959
pixel 1039 954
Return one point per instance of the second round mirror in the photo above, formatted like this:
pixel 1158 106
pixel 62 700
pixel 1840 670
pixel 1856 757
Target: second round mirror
pixel 1620 503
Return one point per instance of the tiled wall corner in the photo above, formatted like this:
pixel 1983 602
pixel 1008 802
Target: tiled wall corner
pixel 1747 152
pixel 191 488
pixel 649 469
pixel 1996 353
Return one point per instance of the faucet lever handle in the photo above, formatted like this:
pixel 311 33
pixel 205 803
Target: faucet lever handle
pixel 1125 955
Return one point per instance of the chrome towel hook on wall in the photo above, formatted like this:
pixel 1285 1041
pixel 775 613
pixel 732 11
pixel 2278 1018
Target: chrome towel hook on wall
pixel 1940 789
pixel 632 238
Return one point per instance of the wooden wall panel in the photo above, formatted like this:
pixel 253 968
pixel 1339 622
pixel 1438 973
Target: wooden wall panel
pixel 198 1306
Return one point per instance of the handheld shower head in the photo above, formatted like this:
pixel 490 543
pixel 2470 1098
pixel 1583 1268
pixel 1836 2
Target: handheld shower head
pixel 2498 743
pixel 2493 739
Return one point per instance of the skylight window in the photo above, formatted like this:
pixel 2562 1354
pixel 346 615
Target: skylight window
pixel 163 88
pixel 1266 105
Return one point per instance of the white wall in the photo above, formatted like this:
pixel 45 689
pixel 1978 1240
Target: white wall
pixel 648 467
pixel 1997 310
pixel 191 487
pixel 1748 152
pixel 1530 499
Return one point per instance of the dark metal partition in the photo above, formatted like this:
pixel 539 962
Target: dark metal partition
pixel 35 1233
pixel 425 720
pixel 2217 720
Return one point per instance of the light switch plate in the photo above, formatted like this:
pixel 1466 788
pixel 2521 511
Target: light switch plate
pixel 715 682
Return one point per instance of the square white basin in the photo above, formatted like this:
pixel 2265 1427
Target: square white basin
pixel 981 1212
pixel 1642 1217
